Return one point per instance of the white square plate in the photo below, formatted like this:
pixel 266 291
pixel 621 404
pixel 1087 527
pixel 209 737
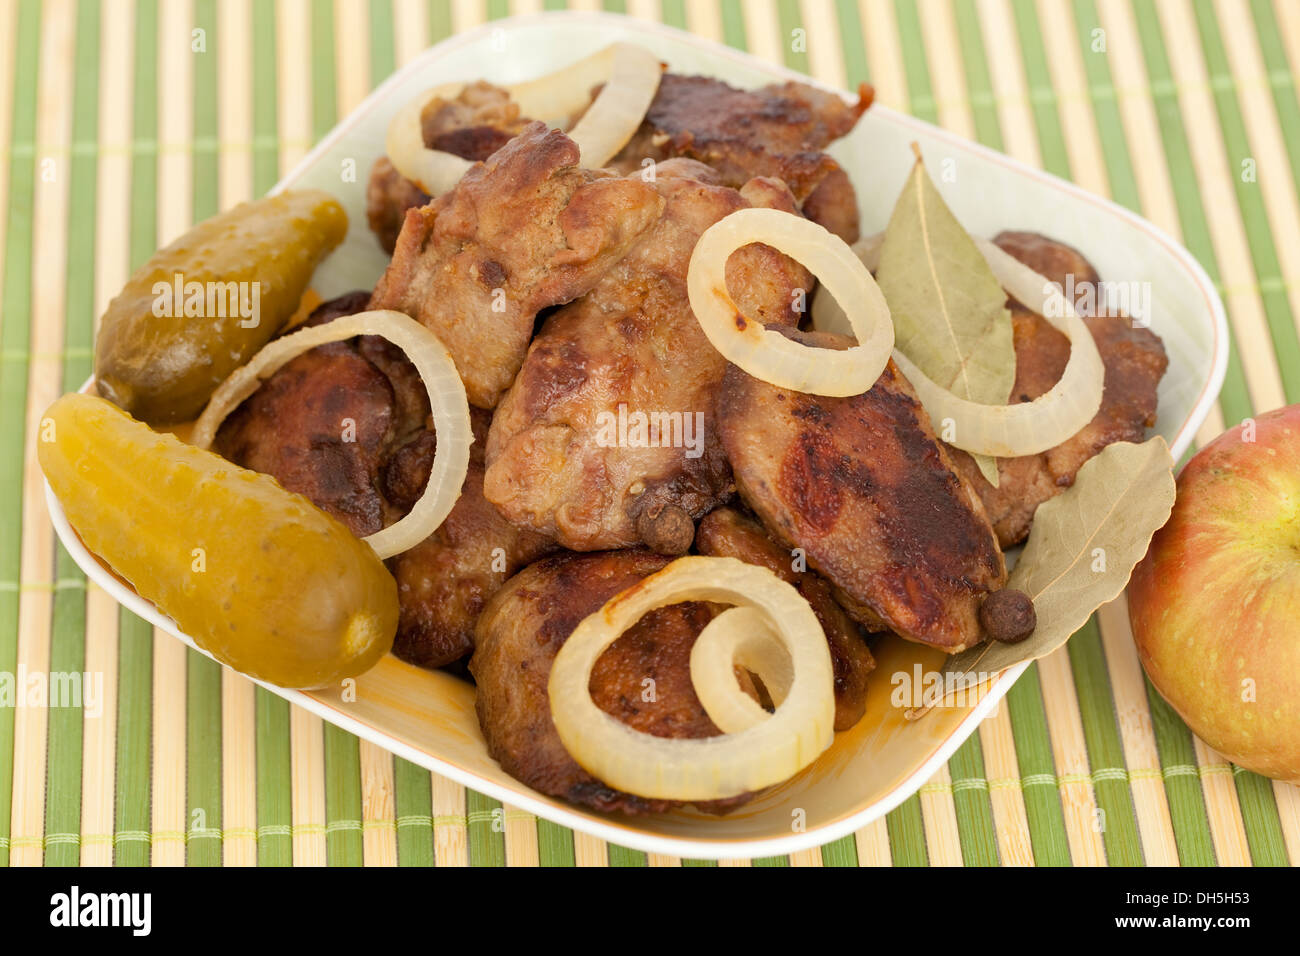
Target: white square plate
pixel 428 717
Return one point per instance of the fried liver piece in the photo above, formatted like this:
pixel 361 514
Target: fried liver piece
pixel 444 582
pixel 525 230
pixel 347 424
pixel 727 533
pixel 862 485
pixel 778 130
pixel 389 195
pixel 523 628
pixel 325 424
pixel 473 125
pixel 1135 362
pixel 564 454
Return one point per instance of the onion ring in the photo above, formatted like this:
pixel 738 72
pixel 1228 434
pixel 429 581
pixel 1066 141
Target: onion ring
pixel 446 399
pixel 739 636
pixel 705 768
pixel 767 354
pixel 434 170
pixel 1007 431
pixel 630 77
pixel 1027 428
pixel 827 316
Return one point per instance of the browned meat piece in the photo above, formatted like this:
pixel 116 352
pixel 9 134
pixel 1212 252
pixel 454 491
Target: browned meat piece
pixel 370 472
pixel 834 205
pixel 729 534
pixel 523 231
pixel 474 124
pixel 1135 362
pixel 325 423
pixel 564 455
pixel 778 130
pixel 863 486
pixel 1051 259
pixel 444 582
pixel 522 630
pixel 389 195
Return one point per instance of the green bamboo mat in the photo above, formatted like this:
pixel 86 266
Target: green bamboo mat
pixel 122 122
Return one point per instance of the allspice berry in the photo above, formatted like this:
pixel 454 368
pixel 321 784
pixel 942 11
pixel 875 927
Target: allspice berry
pixel 666 528
pixel 1008 616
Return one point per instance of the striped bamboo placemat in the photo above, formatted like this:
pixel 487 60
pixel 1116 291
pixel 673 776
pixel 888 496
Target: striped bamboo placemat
pixel 124 121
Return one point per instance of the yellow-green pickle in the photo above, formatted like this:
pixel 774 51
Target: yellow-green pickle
pixel 201 307
pixel 260 577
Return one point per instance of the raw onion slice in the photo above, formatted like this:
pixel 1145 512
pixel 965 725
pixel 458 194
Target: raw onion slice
pixel 619 107
pixel 739 637
pixel 433 170
pixel 446 398
pixel 1009 431
pixel 766 354
pixel 630 77
pixel 707 768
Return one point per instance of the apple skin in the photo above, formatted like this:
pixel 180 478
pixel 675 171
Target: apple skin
pixel 1216 601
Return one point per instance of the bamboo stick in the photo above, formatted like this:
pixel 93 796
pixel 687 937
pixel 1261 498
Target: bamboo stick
pixel 44 373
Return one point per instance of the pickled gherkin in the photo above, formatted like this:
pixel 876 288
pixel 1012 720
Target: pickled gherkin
pixel 259 577
pixel 202 307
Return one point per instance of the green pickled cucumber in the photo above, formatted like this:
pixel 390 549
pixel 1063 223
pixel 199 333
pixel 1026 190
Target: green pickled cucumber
pixel 201 307
pixel 259 577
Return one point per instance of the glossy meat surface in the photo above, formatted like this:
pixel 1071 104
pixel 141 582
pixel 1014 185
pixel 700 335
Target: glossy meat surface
pixel 370 472
pixel 326 423
pixel 525 230
pixel 444 582
pixel 865 488
pixel 778 130
pixel 564 456
pixel 389 195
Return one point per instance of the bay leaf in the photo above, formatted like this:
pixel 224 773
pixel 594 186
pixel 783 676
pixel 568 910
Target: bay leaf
pixel 1082 549
pixel 950 312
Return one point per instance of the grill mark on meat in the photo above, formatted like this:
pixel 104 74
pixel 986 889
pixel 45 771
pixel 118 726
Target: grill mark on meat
pixel 815 495
pixel 864 487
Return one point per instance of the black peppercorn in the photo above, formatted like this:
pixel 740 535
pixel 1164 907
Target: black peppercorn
pixel 1008 616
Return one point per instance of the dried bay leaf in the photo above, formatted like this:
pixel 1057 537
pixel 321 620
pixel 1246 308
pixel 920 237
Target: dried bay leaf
pixel 950 312
pixel 1082 549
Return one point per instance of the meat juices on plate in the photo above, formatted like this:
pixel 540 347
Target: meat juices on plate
pixel 523 628
pixel 557 462
pixel 1134 359
pixel 778 130
pixel 864 487
pixel 525 230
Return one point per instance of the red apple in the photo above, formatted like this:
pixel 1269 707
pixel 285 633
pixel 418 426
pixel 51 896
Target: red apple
pixel 1215 604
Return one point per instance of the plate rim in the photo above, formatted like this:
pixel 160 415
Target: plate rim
pixel 525 798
